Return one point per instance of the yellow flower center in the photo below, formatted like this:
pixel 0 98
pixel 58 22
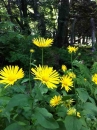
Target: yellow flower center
pixel 45 79
pixel 56 102
pixel 11 78
pixel 65 84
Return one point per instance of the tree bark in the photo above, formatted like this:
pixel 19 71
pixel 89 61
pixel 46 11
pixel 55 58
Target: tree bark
pixel 63 15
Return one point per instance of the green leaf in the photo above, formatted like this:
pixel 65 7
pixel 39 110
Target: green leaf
pixel 61 125
pixel 39 91
pixel 4 100
pixel 94 68
pixel 84 128
pixel 83 121
pixel 21 123
pixel 25 80
pixel 92 100
pixel 61 111
pixel 83 70
pixel 45 119
pixel 17 100
pixel 89 109
pixel 72 123
pixel 82 94
pixel 16 126
pixel 19 88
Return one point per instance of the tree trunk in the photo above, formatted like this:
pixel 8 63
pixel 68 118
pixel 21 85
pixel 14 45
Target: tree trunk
pixel 40 18
pixel 62 32
pixel 25 16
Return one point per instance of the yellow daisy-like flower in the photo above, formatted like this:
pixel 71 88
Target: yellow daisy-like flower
pixel 66 82
pixel 68 103
pixel 64 68
pixel 72 49
pixel 72 75
pixel 56 100
pixel 41 42
pixel 94 78
pixel 46 75
pixel 72 111
pixel 10 74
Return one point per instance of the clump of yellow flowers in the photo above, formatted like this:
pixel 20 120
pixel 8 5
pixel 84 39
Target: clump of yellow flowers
pixel 47 76
pixel 72 111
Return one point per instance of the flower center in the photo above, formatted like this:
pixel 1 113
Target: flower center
pixel 65 84
pixel 11 78
pixel 45 79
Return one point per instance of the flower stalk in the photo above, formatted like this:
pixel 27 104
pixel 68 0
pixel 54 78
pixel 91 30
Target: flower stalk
pixel 42 57
pixel 29 72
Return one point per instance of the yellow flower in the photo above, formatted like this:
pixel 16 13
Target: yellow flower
pixel 71 74
pixel 64 68
pixel 56 100
pixel 68 103
pixel 46 75
pixel 94 78
pixel 66 82
pixel 41 42
pixel 72 111
pixel 32 51
pixel 72 49
pixel 10 74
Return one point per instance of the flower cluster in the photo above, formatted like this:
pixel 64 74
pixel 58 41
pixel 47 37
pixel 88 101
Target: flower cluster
pixel 53 90
pixel 72 111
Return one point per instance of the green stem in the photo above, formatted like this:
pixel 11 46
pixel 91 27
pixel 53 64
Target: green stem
pixel 29 73
pixel 42 56
pixel 71 62
pixel 74 85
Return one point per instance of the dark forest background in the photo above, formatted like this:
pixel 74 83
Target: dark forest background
pixel 67 22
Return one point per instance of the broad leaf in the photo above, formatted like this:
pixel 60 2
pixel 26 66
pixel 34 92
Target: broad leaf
pixel 89 109
pixel 72 123
pixel 16 126
pixel 82 94
pixel 4 101
pixel 45 119
pixel 17 100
